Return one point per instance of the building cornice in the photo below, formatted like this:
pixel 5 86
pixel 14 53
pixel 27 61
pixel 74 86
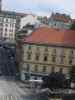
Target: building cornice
pixel 52 45
pixel 52 64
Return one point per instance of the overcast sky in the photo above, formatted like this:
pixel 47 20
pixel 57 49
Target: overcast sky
pixel 41 7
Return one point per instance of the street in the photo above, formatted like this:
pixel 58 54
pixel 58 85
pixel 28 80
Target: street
pixel 15 90
pixel 10 87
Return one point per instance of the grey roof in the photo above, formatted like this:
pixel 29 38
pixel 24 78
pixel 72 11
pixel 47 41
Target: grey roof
pixel 12 13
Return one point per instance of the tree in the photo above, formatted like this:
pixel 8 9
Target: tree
pixel 72 73
pixel 73 26
pixel 54 80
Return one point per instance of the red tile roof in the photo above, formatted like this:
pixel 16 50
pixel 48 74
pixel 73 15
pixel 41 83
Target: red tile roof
pixel 48 35
pixel 61 17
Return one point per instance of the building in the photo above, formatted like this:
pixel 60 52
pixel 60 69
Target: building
pixel 7 59
pixel 0 5
pixel 28 24
pixel 43 20
pixel 46 50
pixel 62 21
pixel 25 31
pixel 29 19
pixel 9 24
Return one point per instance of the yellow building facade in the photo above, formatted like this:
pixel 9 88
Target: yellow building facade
pixel 40 59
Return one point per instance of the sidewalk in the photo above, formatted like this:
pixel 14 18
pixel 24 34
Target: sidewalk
pixel 23 84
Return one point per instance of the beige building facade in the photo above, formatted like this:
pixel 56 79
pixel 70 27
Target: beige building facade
pixel 40 59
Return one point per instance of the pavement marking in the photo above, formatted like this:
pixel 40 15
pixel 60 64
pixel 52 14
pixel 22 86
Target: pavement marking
pixel 10 98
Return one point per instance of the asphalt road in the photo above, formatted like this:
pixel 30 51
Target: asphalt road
pixel 15 90
pixel 11 90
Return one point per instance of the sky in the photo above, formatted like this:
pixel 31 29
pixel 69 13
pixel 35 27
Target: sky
pixel 40 7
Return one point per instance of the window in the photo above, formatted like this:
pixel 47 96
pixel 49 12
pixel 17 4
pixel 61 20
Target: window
pixel 29 47
pixel 61 60
pixel 5 29
pixel 5 34
pixel 27 67
pixel 45 57
pixel 1 24
pixel 1 19
pixel 36 68
pixel 37 57
pixel 70 56
pixel 53 59
pixel 1 29
pixel 62 53
pixel 54 52
pixel 61 70
pixel 6 25
pixel 55 24
pixel 0 34
pixel 70 61
pixel 37 48
pixel 12 25
pixel 6 20
pixel 44 68
pixel 11 35
pixel 52 69
pixel 29 56
pixel 35 78
pixel 46 49
pixel 11 30
pixel 71 53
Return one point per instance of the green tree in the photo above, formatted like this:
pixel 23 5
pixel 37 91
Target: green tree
pixel 73 26
pixel 54 80
pixel 72 73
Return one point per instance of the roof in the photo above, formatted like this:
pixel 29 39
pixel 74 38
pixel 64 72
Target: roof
pixel 61 17
pixel 46 35
pixel 13 13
